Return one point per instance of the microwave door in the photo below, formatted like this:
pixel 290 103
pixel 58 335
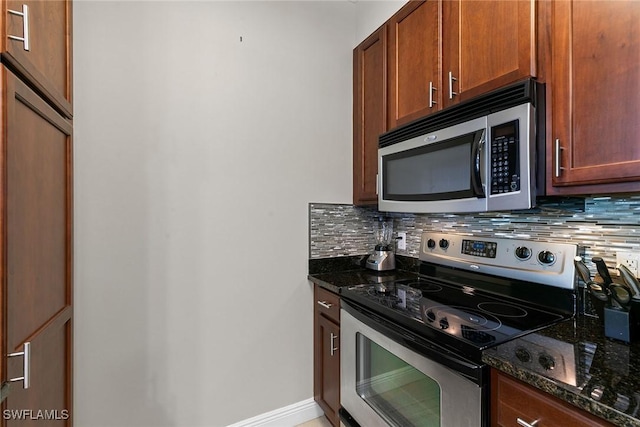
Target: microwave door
pixel 442 171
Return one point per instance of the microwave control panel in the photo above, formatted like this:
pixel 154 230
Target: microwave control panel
pixel 505 162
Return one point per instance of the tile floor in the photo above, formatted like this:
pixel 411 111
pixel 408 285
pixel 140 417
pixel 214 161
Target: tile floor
pixel 318 422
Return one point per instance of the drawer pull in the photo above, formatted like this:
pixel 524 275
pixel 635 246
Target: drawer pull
pixel 325 304
pixel 526 424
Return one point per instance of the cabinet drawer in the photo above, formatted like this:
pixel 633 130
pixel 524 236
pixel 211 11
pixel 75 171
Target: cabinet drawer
pixel 327 303
pixel 513 400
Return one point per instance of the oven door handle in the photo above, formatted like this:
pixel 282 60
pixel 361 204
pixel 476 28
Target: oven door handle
pixel 419 347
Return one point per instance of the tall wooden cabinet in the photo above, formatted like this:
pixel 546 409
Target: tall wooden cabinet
pixel 593 87
pixel 37 213
pixel 326 351
pixel 46 65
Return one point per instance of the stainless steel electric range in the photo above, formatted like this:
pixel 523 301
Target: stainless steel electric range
pixel 411 349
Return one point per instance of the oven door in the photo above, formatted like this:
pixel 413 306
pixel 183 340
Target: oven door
pixel 384 383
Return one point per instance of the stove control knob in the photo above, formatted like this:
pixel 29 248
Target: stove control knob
pixel 523 253
pixel 444 243
pixel 523 355
pixel 431 316
pixel 546 257
pixel 547 362
pixel 444 323
pixel 431 243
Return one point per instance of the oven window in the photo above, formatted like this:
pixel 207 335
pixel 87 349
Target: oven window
pixel 397 391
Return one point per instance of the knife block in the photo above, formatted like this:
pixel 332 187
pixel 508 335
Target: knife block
pixel 623 324
pixel 617 324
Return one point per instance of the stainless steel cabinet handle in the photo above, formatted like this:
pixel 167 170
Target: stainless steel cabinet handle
pixel 431 89
pixel 451 80
pixel 325 304
pixel 26 354
pixel 558 159
pixel 526 424
pixel 333 349
pixel 25 25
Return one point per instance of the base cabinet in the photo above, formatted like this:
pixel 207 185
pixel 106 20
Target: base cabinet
pixel 514 403
pixel 326 352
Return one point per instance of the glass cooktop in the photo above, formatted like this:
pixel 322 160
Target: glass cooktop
pixel 458 316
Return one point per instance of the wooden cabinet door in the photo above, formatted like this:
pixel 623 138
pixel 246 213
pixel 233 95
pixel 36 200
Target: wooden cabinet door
pixel 37 267
pixel 486 45
pixel 326 353
pixel 329 351
pixel 595 87
pixel 414 62
pixel 47 63
pixel 369 113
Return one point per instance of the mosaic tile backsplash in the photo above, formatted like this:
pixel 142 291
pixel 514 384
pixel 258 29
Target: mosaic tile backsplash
pixel 601 226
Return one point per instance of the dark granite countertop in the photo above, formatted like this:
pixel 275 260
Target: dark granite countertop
pixel 335 281
pixel 332 274
pixel 592 372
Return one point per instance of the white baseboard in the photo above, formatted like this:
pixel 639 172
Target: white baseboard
pixel 288 416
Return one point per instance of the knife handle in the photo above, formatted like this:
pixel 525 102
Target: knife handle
pixel 629 279
pixel 602 269
pixel 582 269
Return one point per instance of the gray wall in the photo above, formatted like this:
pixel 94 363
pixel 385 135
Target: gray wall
pixel 196 157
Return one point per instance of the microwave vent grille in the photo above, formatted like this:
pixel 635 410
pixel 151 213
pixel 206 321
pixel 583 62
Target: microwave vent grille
pixel 509 96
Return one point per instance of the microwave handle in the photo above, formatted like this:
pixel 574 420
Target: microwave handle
pixel 476 165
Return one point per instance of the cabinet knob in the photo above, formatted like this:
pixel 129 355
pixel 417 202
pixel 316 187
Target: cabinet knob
pixel 25 25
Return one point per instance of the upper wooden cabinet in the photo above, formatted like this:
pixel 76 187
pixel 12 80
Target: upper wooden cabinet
pixel 594 87
pixel 37 47
pixel 414 62
pixel 443 52
pixel 486 45
pixel 369 113
pixel 428 56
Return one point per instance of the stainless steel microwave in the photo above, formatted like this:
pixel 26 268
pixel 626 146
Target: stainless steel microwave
pixel 473 158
